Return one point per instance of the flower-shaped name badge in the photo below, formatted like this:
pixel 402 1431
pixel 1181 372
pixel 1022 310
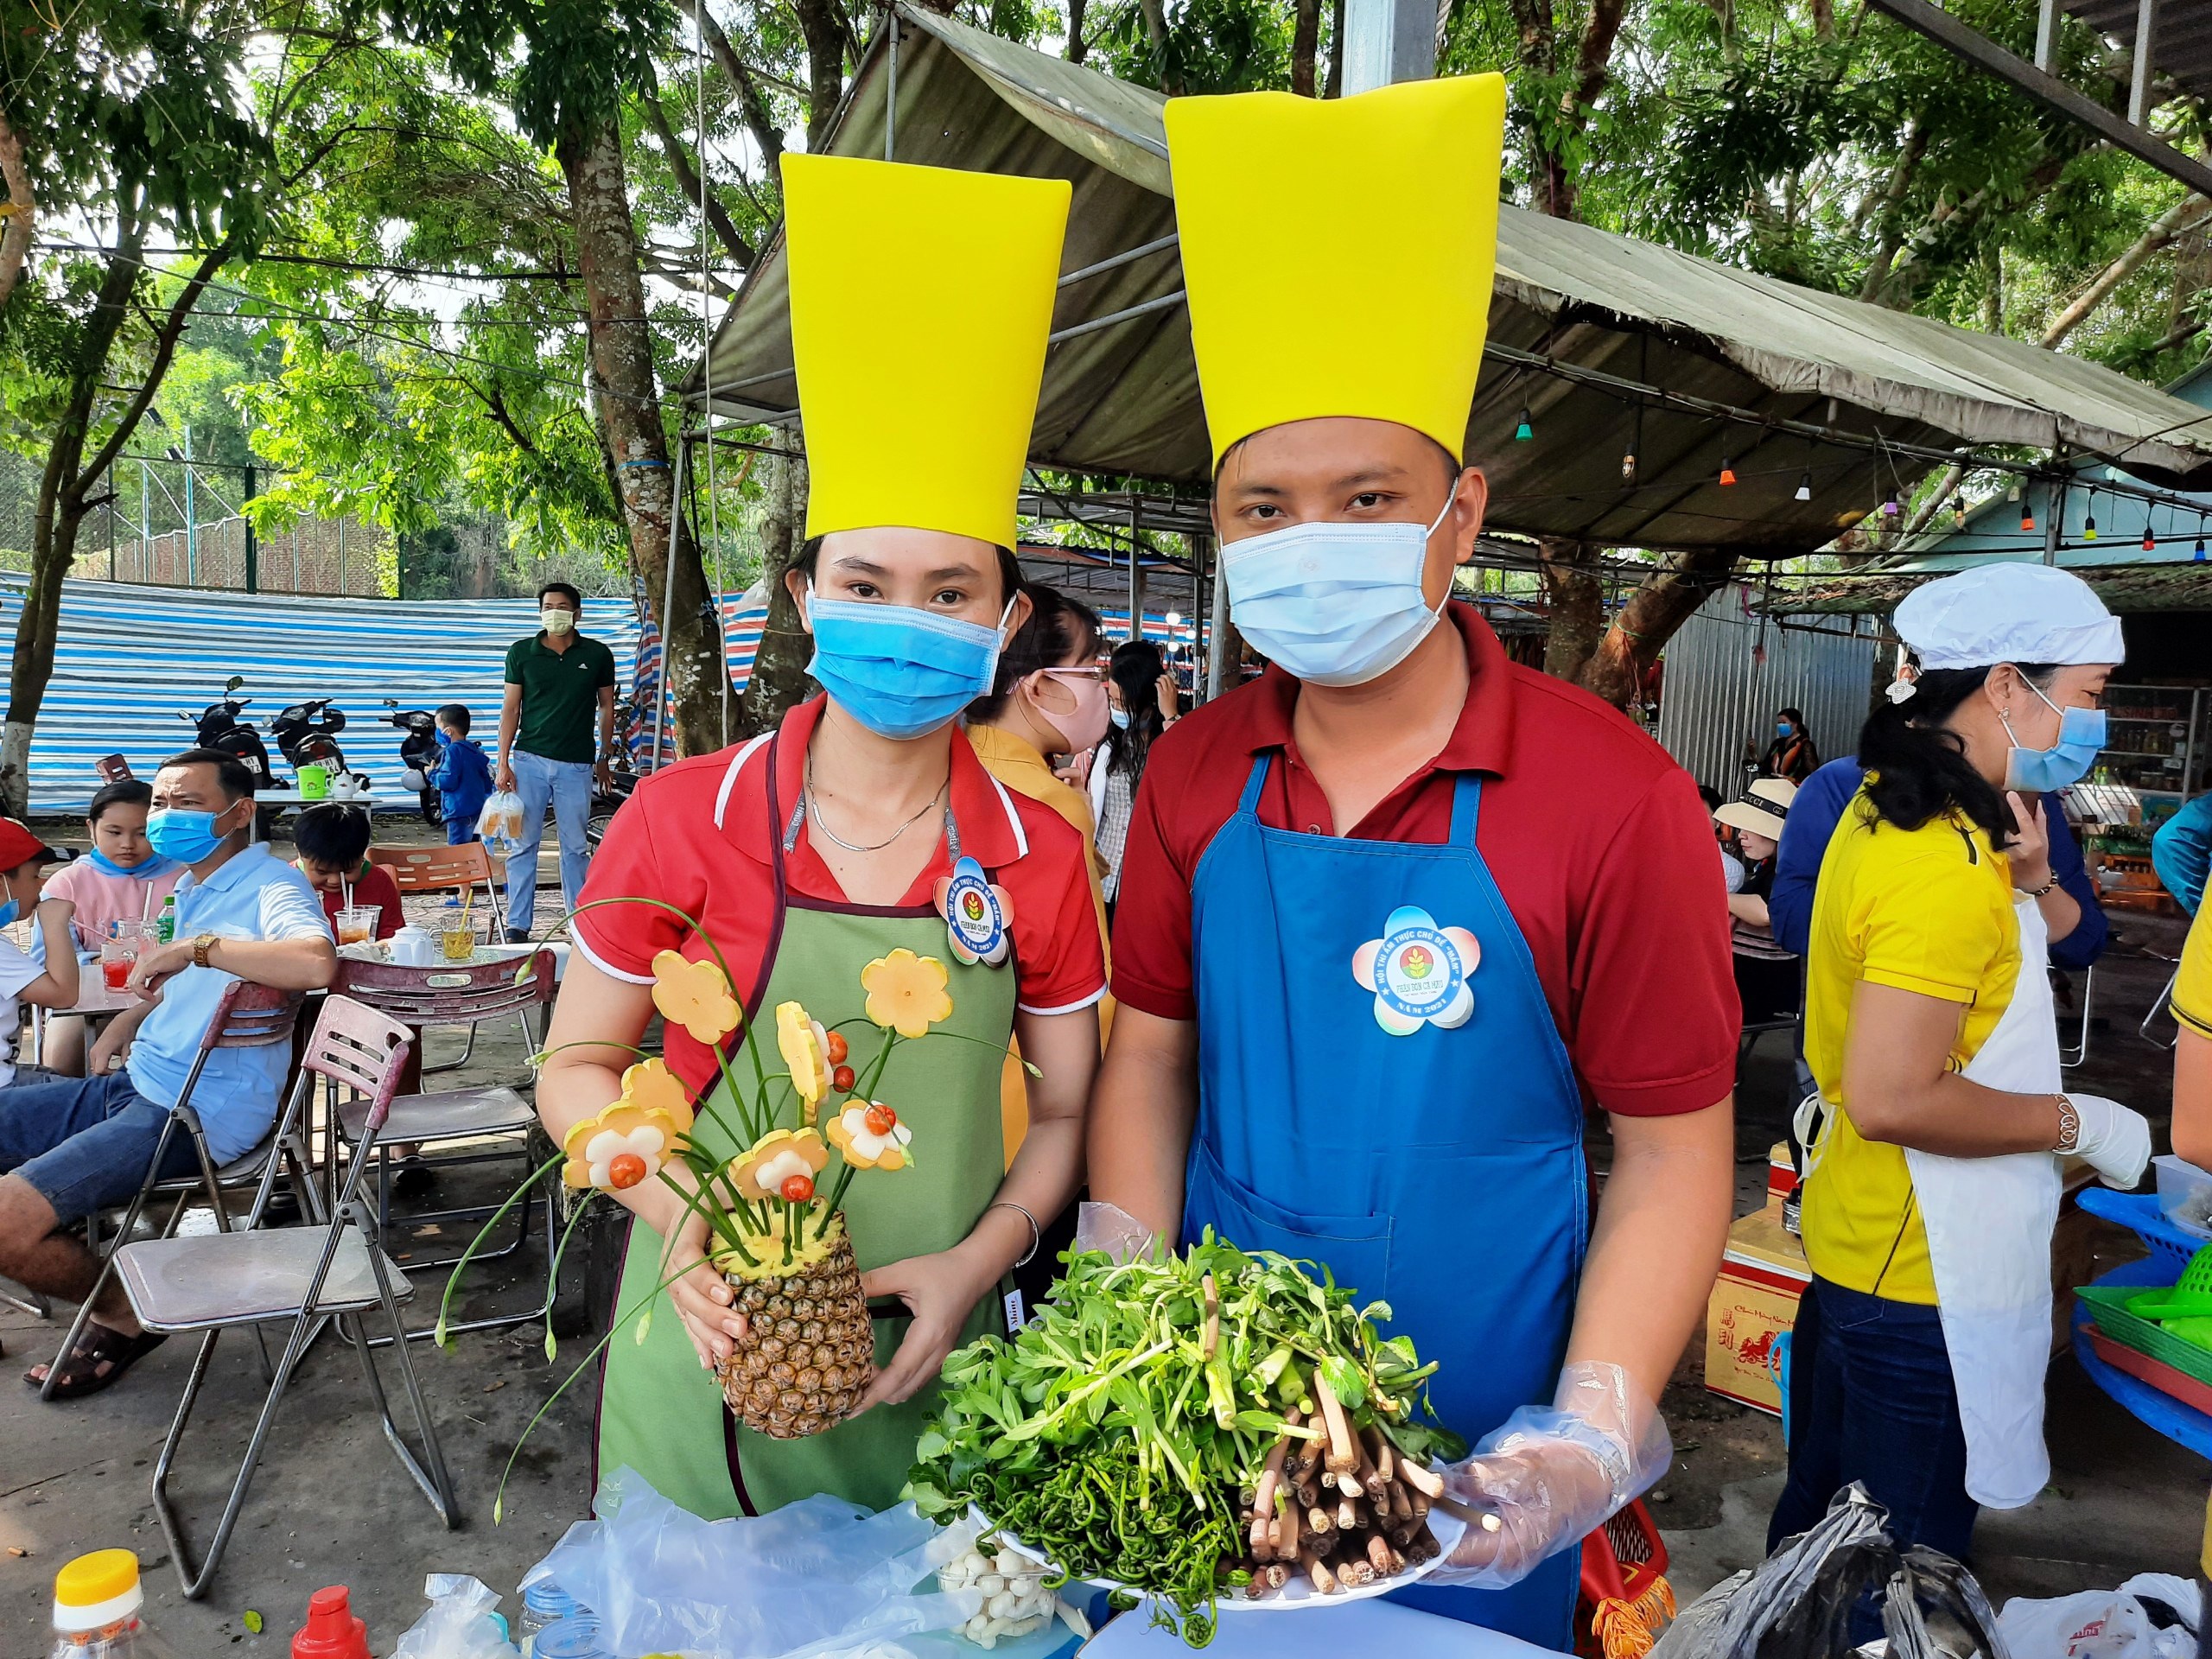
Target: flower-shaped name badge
pixel 976 914
pixel 1418 972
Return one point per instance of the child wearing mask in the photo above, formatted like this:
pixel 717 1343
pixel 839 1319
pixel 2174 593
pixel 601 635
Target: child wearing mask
pixel 122 879
pixel 333 842
pixel 50 983
pixel 462 776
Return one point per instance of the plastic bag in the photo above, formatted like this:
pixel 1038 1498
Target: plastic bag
pixel 499 824
pixel 459 1625
pixel 2152 1616
pixel 1799 1601
pixel 816 1578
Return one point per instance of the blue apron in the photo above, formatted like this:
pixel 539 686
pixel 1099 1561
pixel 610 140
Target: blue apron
pixel 1440 1169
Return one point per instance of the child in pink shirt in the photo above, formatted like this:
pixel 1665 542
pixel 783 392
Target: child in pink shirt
pixel 121 879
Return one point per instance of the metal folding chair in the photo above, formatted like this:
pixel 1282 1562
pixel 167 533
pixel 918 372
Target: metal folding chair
pixel 428 997
pixel 2080 1052
pixel 2158 1006
pixel 249 1016
pixel 333 1270
pixel 446 869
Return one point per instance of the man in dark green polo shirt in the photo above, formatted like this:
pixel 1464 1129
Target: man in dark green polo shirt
pixel 560 684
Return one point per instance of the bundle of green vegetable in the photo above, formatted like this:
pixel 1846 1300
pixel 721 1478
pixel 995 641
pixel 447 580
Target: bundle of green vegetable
pixel 1211 1423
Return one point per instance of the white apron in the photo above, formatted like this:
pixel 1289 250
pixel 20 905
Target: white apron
pixel 1989 1223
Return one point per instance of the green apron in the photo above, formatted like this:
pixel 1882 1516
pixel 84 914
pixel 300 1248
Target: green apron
pixel 660 1411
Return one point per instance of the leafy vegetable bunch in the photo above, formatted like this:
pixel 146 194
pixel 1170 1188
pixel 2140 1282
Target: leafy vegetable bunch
pixel 1124 1430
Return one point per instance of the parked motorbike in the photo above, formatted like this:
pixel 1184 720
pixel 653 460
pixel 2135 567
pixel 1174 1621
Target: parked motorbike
pixel 218 727
pixel 307 735
pixel 605 803
pixel 418 753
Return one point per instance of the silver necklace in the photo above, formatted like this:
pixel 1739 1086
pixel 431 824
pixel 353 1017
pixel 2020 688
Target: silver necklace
pixel 814 810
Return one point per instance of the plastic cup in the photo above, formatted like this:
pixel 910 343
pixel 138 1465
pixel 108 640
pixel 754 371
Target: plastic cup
pixel 358 924
pixel 457 939
pixel 314 785
pixel 118 957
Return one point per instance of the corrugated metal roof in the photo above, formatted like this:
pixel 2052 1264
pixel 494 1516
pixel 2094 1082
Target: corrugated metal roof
pixel 1124 397
pixel 2181 40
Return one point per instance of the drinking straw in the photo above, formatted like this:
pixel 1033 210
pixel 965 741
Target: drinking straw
pixel 347 885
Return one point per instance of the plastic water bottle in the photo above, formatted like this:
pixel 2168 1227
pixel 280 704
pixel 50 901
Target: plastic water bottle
pixel 97 1600
pixel 546 1604
pixel 333 1630
pixel 165 928
pixel 572 1638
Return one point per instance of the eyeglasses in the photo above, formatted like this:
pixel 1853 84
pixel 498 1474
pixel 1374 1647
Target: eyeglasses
pixel 1094 673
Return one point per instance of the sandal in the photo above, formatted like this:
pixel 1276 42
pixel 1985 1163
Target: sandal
pixel 101 1358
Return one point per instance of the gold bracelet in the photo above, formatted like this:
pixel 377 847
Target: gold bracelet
pixel 2069 1128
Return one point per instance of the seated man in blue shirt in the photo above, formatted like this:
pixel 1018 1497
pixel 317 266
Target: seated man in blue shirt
pixel 68 1149
pixel 2181 849
pixel 1818 808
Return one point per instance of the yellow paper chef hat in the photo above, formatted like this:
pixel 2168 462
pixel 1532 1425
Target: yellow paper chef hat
pixel 1338 252
pixel 920 299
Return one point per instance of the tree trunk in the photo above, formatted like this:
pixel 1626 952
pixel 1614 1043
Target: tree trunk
pixel 2177 222
pixel 1305 45
pixel 629 403
pixel 1824 20
pixel 688 180
pixel 825 65
pixel 752 102
pixel 1335 88
pixel 1077 47
pixel 779 666
pixel 1577 602
pixel 21 210
pixel 1665 601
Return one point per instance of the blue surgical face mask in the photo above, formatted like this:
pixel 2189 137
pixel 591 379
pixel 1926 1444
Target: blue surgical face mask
pixel 901 672
pixel 2081 735
pixel 145 870
pixel 1334 604
pixel 1781 728
pixel 184 835
pixel 1120 717
pixel 9 911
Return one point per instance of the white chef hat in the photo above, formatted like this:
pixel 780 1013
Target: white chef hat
pixel 2008 612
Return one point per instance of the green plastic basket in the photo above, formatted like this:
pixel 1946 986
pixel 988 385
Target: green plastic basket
pixel 2110 1310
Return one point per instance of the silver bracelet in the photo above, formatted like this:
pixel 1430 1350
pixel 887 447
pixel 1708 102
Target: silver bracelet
pixel 1036 1233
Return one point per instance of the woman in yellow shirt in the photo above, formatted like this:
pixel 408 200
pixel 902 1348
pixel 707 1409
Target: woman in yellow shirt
pixel 1932 1184
pixel 1049 697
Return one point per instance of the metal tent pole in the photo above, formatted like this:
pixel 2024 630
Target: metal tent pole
pixel 664 700
pixel 1217 669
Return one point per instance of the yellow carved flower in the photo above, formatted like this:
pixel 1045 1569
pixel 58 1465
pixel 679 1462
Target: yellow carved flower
pixel 775 1158
pixel 651 1087
pixel 618 1148
pixel 906 992
pixel 805 1050
pixel 871 1136
pixel 694 996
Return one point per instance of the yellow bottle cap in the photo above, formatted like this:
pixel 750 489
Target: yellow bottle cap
pixel 95 1580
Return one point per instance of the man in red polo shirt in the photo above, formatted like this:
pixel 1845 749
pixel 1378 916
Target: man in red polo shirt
pixel 1394 915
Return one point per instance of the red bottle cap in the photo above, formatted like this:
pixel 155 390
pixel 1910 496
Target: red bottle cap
pixel 332 1630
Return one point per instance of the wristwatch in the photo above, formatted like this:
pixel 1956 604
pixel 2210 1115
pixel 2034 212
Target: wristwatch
pixel 201 946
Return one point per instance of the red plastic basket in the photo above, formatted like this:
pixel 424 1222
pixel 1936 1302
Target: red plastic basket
pixel 1626 1600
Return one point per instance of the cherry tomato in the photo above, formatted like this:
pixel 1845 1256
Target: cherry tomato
pixel 836 1048
pixel 625 1170
pixel 880 1119
pixel 797 1189
pixel 843 1079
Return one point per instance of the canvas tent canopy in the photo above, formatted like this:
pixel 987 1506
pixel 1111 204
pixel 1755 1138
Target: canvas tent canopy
pixel 1611 344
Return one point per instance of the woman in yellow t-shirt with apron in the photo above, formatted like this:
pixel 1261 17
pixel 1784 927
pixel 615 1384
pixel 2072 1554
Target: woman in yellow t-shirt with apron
pixel 1933 1181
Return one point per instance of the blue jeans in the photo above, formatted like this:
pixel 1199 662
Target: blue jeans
pixel 1871 1400
pixel 83 1143
pixel 566 786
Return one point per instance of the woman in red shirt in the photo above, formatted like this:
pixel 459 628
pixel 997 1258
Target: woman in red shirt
pixel 814 850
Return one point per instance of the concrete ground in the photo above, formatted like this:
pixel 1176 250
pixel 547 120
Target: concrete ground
pixel 331 1505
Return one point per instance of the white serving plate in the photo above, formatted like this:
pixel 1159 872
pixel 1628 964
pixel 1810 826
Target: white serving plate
pixel 1298 1594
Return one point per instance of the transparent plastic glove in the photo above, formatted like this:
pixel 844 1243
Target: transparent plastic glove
pixel 1110 1227
pixel 2116 1140
pixel 1552 1475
